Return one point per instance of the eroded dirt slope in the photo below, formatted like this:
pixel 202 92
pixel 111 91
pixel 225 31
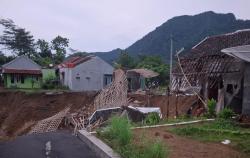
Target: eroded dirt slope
pixel 18 109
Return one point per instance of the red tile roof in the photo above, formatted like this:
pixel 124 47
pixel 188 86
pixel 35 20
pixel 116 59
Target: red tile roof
pixel 74 61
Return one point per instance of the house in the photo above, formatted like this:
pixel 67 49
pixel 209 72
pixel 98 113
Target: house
pixel 243 54
pixel 22 72
pixel 136 78
pixel 89 73
pixel 217 72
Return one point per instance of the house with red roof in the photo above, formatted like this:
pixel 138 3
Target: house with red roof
pixel 89 73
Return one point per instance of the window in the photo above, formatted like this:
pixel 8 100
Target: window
pixel 107 79
pixel 12 78
pixel 230 88
pixel 18 78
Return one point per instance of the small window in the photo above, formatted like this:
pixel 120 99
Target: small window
pixel 107 79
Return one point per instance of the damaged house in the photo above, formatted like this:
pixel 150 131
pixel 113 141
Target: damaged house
pixel 219 72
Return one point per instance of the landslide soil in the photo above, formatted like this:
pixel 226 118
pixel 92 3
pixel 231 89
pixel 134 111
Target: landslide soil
pixel 19 110
pixel 183 103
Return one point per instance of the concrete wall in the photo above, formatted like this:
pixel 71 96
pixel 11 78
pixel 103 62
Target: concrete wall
pixel 246 91
pixel 87 76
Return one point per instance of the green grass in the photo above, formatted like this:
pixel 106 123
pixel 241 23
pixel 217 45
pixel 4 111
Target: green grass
pixel 218 131
pixel 119 136
pixel 170 120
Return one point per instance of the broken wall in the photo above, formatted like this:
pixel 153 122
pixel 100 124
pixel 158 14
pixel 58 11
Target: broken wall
pixel 246 91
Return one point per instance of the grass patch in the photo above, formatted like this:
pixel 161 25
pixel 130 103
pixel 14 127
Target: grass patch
pixel 119 136
pixel 218 131
pixel 169 121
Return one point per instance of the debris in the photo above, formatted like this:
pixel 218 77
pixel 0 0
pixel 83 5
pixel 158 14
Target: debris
pixel 47 149
pixel 114 95
pixel 226 142
pixel 50 124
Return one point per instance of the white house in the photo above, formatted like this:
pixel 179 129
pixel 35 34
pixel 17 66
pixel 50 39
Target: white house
pixel 89 73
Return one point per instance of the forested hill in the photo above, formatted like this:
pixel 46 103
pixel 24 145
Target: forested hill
pixel 186 31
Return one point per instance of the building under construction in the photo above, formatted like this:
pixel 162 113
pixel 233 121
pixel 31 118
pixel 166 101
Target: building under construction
pixel 218 71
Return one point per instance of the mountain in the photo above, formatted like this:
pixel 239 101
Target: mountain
pixel 186 32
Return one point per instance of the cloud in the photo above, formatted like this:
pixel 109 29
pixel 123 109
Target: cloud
pixel 103 25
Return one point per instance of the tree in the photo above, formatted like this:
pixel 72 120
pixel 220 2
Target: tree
pixel 5 59
pixel 156 64
pixel 44 49
pixel 16 39
pixel 59 44
pixel 126 61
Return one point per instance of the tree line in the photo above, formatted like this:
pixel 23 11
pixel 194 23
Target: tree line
pixel 19 42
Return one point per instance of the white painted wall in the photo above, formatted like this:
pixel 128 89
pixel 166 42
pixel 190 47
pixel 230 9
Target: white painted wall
pixel 87 76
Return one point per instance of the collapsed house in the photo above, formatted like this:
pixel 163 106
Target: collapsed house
pixel 221 76
pixel 136 78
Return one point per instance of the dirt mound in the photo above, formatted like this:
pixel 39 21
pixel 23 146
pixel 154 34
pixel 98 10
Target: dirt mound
pixel 183 103
pixel 19 109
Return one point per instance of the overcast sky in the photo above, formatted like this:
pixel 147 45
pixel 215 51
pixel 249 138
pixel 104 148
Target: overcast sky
pixel 103 25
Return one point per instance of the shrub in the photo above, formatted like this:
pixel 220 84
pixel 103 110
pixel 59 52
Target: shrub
pixel 48 82
pixel 155 150
pixel 226 113
pixel 120 130
pixel 211 104
pixel 119 136
pixel 152 119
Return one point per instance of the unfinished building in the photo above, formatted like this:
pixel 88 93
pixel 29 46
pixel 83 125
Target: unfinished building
pixel 215 74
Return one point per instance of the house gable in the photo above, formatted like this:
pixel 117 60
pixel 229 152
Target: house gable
pixel 22 63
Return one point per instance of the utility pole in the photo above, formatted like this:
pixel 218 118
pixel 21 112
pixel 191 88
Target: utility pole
pixel 171 62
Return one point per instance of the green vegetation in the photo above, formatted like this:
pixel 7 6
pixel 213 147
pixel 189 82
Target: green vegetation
pixel 20 42
pixel 48 82
pixel 211 104
pixel 154 63
pixel 125 61
pixel 226 113
pixel 152 118
pixel 218 131
pixel 119 136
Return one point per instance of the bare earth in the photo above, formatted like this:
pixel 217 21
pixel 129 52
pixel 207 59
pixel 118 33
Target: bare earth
pixel 181 147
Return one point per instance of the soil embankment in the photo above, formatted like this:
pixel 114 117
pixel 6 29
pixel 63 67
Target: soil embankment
pixel 19 109
pixel 183 103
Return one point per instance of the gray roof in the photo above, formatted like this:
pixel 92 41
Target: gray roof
pixel 22 63
pixel 240 52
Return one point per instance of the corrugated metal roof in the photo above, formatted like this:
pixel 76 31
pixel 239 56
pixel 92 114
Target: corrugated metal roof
pixel 240 52
pixel 144 72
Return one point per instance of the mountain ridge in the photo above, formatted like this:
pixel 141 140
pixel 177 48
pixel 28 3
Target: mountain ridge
pixel 186 30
